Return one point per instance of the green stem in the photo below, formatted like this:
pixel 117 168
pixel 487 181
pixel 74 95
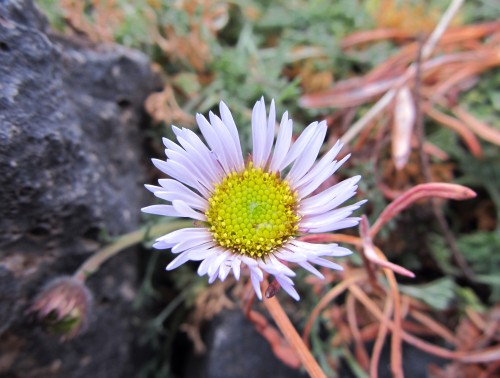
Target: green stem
pixel 94 262
pixel 173 304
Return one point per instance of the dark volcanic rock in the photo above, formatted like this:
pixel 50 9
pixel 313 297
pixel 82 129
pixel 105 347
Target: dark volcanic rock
pixel 69 169
pixel 236 350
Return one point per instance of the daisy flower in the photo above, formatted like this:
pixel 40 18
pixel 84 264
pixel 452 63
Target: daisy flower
pixel 251 213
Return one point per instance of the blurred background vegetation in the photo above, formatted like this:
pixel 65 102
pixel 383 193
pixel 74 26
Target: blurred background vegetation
pixel 332 60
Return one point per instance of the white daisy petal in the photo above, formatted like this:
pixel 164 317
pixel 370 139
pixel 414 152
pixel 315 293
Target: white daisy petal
pixel 245 209
pixel 187 167
pixel 324 162
pixel 180 173
pixel 330 217
pixel 308 156
pixel 276 267
pixel 199 254
pixel 259 133
pixel 257 271
pixel 172 145
pixel 330 198
pixel 256 283
pixel 199 151
pixel 192 200
pixel 206 161
pixel 287 285
pixel 228 120
pixel 165 210
pixel 226 139
pixel 161 165
pixel 179 236
pixel 161 245
pixel 213 268
pixel 178 261
pixel 311 269
pixel 271 124
pixel 293 257
pixel 213 141
pixel 170 185
pixel 212 277
pixel 187 212
pixel 282 142
pixel 312 185
pixel 194 254
pixel 252 263
pixel 235 265
pixel 152 188
pixel 334 202
pixel 299 145
pixel 194 241
pixel 176 190
pixel 319 249
pixel 224 271
pixel 326 263
pixel 346 223
pixel 207 262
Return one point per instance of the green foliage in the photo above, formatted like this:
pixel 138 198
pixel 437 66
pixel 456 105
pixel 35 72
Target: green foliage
pixel 467 298
pixel 438 294
pixel 53 12
pixel 481 11
pixel 250 54
pixel 483 101
pixel 480 250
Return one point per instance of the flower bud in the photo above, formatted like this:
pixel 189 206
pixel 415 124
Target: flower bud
pixel 64 305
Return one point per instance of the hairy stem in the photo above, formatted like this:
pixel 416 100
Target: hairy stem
pixel 293 338
pixel 94 262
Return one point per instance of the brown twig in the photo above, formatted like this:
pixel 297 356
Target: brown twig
pixel 361 353
pixel 485 355
pixel 379 258
pixel 281 349
pixel 396 340
pixel 456 125
pixel 425 165
pixel 484 131
pixel 381 335
pixel 388 97
pixel 437 328
pixel 327 298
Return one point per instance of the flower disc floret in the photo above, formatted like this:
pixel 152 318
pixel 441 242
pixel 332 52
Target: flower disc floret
pixel 253 212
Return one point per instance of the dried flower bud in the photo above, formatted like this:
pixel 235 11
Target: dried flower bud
pixel 64 305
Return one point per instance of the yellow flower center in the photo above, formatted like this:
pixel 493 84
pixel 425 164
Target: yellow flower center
pixel 253 212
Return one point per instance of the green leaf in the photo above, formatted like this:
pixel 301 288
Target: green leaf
pixel 438 294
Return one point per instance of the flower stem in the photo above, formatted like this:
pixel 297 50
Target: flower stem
pixel 94 262
pixel 293 338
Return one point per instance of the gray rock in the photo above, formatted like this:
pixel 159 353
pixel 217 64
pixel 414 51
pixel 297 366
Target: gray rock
pixel 70 168
pixel 416 363
pixel 236 350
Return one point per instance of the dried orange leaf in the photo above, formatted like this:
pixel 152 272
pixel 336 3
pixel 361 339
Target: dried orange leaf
pixel 481 129
pixel 456 125
pixel 435 189
pixel 371 255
